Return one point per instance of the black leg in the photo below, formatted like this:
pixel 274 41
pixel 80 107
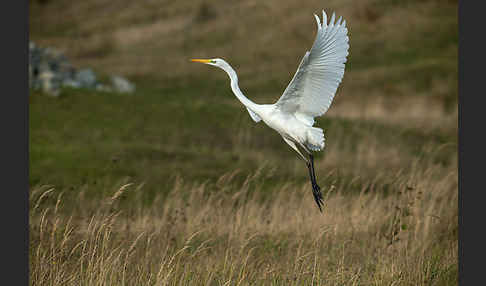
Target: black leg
pixel 309 167
pixel 316 190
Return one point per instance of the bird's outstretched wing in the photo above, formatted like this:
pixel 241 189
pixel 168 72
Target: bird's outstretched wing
pixel 311 90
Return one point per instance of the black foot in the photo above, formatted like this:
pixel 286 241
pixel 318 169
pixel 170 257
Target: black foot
pixel 316 191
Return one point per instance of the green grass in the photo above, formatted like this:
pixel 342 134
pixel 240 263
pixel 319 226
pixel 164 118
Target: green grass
pixel 90 137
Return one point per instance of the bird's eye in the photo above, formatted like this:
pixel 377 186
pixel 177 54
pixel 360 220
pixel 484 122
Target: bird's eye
pixel 213 61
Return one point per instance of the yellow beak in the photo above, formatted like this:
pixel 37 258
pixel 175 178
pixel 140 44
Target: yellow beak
pixel 201 61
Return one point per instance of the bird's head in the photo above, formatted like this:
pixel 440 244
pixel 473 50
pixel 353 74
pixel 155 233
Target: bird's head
pixel 220 63
pixel 214 62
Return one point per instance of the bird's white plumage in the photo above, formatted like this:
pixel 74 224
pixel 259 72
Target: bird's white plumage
pixel 253 115
pixel 309 93
pixel 312 89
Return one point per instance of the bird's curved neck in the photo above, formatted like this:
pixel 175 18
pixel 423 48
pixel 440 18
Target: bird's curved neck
pixel 236 89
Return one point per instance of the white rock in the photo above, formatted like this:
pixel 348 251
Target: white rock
pixel 121 84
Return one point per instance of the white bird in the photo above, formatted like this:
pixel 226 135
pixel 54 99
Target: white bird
pixel 308 95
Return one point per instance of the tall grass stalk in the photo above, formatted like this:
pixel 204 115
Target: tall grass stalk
pixel 202 235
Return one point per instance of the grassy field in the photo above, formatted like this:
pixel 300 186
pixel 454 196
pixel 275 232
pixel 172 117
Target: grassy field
pixel 176 185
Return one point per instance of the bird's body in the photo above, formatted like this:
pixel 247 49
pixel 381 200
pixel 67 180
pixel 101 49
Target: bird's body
pixel 290 127
pixel 308 95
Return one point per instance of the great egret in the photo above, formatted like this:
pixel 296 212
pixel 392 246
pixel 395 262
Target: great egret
pixel 308 95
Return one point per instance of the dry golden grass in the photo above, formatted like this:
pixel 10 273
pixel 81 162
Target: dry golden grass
pixel 228 233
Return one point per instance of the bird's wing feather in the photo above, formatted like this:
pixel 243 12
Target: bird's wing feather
pixel 311 90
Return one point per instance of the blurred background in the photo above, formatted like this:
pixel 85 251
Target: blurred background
pixel 400 85
pixel 134 149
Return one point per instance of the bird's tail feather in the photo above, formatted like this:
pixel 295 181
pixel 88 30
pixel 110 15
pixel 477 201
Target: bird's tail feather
pixel 315 139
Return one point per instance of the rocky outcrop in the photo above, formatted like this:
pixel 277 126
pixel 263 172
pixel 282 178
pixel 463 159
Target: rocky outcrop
pixel 49 71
